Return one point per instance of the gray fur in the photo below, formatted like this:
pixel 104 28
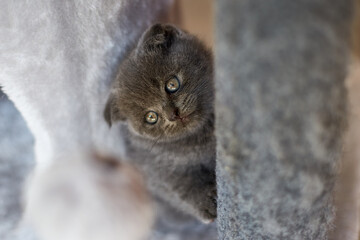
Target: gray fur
pixel 177 153
pixel 280 113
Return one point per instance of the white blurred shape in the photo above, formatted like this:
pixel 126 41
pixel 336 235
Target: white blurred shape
pixel 88 197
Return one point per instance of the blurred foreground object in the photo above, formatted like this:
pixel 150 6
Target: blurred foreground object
pixel 89 198
pixel 281 115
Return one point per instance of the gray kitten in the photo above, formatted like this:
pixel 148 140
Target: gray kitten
pixel 164 94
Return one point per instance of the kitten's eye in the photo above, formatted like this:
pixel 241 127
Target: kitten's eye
pixel 172 85
pixel 151 117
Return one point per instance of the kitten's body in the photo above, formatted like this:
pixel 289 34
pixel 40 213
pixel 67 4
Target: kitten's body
pixel 177 152
pixel 180 172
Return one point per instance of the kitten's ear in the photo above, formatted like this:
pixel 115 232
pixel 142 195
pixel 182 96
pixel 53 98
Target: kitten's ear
pixel 158 36
pixel 112 112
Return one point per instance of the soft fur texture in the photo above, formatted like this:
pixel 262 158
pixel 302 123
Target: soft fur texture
pixel 97 198
pixel 177 153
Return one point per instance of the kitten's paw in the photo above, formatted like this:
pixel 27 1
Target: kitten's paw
pixel 208 206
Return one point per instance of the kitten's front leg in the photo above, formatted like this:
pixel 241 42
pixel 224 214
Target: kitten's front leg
pixel 198 189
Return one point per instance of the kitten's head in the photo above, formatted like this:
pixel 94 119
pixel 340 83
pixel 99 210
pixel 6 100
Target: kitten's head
pixel 164 89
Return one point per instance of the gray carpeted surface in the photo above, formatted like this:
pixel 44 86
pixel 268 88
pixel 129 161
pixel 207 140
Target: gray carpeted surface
pixel 281 105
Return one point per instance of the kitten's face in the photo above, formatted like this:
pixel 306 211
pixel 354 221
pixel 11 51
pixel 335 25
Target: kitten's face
pixel 164 90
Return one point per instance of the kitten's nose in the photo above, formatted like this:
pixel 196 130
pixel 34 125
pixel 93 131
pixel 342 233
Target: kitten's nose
pixel 174 114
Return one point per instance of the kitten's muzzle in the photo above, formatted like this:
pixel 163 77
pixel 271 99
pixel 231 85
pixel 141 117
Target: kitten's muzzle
pixel 173 115
pixel 176 115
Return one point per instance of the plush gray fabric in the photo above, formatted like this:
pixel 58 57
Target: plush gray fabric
pixel 281 106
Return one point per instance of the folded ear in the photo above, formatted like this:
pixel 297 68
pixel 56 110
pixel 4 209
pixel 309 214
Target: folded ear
pixel 158 37
pixel 112 111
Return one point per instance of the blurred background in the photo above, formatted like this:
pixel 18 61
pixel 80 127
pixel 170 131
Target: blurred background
pixel 196 17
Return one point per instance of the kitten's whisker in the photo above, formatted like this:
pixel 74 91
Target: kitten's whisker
pixel 172 127
pixel 186 100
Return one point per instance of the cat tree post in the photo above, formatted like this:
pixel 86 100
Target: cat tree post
pixel 281 107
